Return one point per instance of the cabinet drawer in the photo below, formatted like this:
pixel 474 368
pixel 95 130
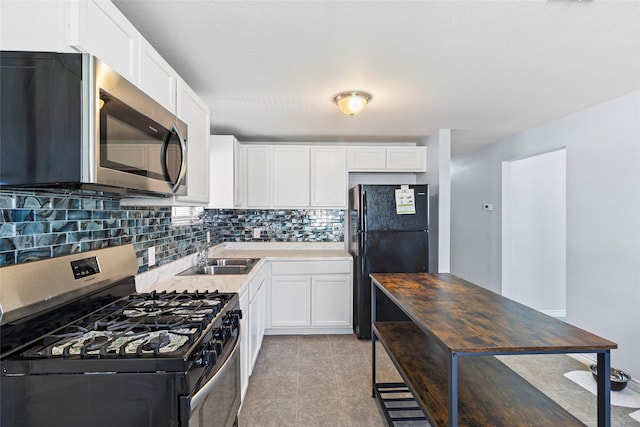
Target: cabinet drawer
pixel 311 267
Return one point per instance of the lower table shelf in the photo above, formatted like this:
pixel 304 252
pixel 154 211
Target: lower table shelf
pixel 398 403
pixel 489 393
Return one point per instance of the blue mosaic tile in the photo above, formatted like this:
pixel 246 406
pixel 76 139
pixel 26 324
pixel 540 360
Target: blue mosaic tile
pixel 33 254
pixel 111 205
pixel 7 201
pixel 7 244
pixel 59 226
pixel 65 203
pixel 31 201
pixel 26 228
pixel 91 204
pixel 78 214
pixel 7 258
pixel 18 215
pixel 23 242
pixel 50 215
pixel 7 229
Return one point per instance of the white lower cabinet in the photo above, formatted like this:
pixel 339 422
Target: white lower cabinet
pixel 244 343
pixel 257 319
pixel 331 300
pixel 290 301
pixel 310 297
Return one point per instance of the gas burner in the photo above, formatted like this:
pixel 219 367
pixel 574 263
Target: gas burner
pixel 112 344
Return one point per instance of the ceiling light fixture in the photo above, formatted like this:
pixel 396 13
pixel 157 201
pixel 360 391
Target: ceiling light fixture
pixel 352 102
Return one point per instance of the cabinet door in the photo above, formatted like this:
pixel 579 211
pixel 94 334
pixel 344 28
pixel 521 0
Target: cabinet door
pixel 245 333
pixel 257 308
pixel 290 177
pixel 157 78
pixel 196 115
pixel 34 26
pixel 290 301
pixel 331 300
pixel 101 29
pixel 329 177
pixel 367 159
pixel 258 176
pixel 239 175
pixel 221 171
pixel 412 159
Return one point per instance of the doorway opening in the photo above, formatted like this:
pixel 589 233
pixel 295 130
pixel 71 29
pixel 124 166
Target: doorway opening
pixel 534 232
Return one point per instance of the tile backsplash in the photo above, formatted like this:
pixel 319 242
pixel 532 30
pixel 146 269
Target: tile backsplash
pixel 39 225
pixel 277 225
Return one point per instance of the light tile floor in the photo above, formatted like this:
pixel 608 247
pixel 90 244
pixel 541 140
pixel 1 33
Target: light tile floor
pixel 325 380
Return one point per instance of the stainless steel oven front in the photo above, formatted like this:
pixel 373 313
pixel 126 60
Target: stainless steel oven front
pixel 217 402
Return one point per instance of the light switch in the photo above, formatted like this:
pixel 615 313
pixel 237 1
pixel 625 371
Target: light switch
pixel 151 254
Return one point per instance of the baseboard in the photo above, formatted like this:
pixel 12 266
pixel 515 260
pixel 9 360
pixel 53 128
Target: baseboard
pixel 555 313
pixel 589 359
pixel 308 331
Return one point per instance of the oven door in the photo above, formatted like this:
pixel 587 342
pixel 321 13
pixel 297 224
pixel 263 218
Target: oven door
pixel 217 402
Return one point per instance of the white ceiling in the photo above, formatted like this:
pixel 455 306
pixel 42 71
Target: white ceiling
pixel 485 69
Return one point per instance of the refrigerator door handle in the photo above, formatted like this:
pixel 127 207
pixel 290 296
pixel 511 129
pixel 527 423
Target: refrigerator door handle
pixel 363 222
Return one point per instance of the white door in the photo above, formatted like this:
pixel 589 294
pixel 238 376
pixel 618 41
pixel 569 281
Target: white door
pixel 534 232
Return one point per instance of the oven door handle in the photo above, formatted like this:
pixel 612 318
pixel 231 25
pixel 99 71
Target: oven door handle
pixel 204 390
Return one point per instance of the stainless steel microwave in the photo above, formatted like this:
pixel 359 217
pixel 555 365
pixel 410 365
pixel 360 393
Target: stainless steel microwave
pixel 70 121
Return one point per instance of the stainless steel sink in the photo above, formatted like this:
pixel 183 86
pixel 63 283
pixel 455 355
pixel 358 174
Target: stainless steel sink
pixel 233 261
pixel 218 266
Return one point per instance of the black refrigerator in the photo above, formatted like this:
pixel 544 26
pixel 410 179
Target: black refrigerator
pixel 386 235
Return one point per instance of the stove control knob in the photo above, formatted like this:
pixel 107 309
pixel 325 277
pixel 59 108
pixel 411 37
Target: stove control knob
pixel 223 333
pixel 226 333
pixel 232 318
pixel 216 346
pixel 213 357
pixel 205 359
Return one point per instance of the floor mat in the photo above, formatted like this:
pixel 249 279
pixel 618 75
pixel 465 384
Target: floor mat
pixel 627 398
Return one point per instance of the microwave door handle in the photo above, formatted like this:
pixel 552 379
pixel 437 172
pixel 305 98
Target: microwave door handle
pixel 183 155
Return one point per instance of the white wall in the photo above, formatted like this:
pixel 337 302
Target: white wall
pixel 438 177
pixel 534 232
pixel 603 217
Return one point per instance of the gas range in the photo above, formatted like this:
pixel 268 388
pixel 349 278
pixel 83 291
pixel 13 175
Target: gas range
pixel 167 348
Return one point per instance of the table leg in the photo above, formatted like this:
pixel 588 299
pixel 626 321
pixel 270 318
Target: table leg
pixel 453 390
pixel 604 389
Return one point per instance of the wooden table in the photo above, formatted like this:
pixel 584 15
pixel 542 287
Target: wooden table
pixel 452 322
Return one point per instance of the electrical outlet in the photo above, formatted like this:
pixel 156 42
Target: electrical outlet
pixel 257 232
pixel 208 237
pixel 151 254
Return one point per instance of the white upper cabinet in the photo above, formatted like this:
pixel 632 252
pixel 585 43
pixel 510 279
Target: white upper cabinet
pixel 239 164
pixel 407 159
pixel 367 158
pixel 329 178
pixel 387 159
pixel 290 177
pixel 41 26
pixel 99 28
pixel 157 78
pixel 259 176
pixel 228 172
pixel 95 27
pixel 195 114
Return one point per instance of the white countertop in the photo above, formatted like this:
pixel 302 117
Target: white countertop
pixel 165 277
